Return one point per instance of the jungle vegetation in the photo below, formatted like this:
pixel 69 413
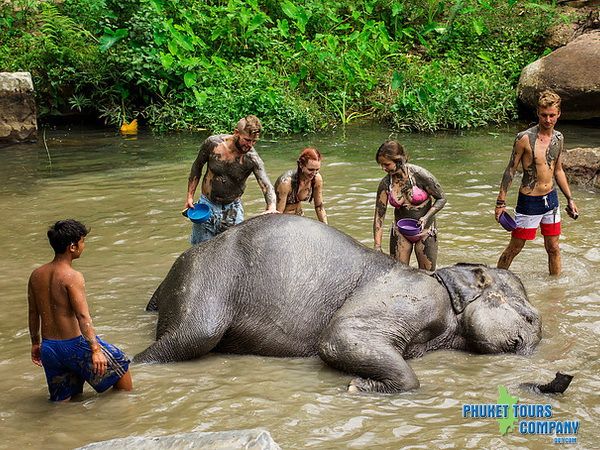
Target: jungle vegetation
pixel 299 65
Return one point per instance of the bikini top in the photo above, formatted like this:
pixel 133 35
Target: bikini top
pixel 292 197
pixel 417 196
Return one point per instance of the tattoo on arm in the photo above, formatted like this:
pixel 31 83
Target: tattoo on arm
pixel 380 209
pixel 263 182
pixel 511 168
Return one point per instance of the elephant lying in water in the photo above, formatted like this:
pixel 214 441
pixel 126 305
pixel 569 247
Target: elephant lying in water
pixel 283 285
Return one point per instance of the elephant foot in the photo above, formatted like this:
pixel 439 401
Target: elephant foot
pixel 352 387
pixel 358 384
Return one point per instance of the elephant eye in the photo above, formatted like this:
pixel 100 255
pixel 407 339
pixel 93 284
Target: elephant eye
pixel 516 342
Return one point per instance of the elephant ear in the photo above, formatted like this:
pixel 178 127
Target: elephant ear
pixel 464 282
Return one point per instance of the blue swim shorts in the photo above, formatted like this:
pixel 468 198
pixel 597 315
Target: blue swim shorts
pixel 223 216
pixel 68 364
pixel 537 211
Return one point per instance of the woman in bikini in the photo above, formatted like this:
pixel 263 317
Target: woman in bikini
pixel 414 193
pixel 303 184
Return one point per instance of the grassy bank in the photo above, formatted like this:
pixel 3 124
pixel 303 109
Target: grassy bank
pixel 300 66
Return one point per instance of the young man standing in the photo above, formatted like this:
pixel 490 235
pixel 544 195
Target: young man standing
pixel 539 151
pixel 70 352
pixel 230 159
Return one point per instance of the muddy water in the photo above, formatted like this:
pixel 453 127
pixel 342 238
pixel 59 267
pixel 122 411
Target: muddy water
pixel 131 191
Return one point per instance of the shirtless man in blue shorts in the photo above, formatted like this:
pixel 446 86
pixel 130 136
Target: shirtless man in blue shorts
pixel 69 351
pixel 539 151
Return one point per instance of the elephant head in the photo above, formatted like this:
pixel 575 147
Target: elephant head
pixel 493 311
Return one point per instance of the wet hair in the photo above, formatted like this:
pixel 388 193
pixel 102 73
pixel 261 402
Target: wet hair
pixel 249 125
pixel 309 153
pixel 64 233
pixel 392 150
pixel 549 98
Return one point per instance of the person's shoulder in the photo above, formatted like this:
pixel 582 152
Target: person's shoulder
pixel 253 156
pixel 285 179
pixel 36 274
pixel 384 183
pixel 69 277
pixel 558 135
pixel 419 170
pixel 532 129
pixel 214 140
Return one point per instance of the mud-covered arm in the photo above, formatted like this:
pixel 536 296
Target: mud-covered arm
pixel 264 183
pixel 563 183
pixel 509 174
pixel 283 187
pixel 75 286
pixel 318 199
pixel 381 202
pixel 34 326
pixel 196 171
pixel 430 184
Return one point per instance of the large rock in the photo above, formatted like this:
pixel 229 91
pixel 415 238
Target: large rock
pixel 582 166
pixel 255 439
pixel 17 108
pixel 573 72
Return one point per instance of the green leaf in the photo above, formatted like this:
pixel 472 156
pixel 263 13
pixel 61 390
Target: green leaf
pixel 173 48
pixel 201 97
pixel 397 80
pixel 478 26
pixel 190 79
pixel 485 56
pixel 397 8
pixel 284 27
pixel 109 38
pixel 167 60
pixel 257 21
pixel 289 9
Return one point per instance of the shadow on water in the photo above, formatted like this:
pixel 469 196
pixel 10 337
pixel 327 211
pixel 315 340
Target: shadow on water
pixel 131 193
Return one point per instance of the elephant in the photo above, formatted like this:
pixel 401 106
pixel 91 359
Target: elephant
pixel 288 286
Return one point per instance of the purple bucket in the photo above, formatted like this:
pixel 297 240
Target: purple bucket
pixel 410 229
pixel 507 222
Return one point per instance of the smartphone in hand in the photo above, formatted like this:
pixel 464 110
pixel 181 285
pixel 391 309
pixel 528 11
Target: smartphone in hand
pixel 572 214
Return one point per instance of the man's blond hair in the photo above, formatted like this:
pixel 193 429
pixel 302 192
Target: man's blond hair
pixel 548 99
pixel 249 125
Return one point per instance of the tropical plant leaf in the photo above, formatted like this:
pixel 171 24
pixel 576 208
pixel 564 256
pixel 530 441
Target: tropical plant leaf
pixel 110 38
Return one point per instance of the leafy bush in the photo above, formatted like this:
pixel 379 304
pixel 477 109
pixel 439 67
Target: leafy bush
pixel 185 64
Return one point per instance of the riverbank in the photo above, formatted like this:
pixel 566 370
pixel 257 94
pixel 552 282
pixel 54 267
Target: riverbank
pixel 186 65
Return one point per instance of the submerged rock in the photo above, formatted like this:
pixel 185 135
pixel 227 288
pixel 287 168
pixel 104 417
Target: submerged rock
pixel 254 439
pixel 18 121
pixel 582 166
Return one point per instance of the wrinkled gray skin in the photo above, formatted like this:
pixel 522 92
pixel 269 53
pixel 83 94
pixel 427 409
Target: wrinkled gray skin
pixel 284 285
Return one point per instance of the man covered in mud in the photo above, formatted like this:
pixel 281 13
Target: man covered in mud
pixel 230 159
pixel 539 151
pixel 69 351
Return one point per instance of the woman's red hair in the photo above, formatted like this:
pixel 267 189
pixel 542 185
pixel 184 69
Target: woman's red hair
pixel 307 154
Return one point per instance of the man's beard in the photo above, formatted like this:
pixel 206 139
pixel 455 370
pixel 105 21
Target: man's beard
pixel 239 147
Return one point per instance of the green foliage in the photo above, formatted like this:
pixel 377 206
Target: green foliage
pixel 185 64
pixel 440 95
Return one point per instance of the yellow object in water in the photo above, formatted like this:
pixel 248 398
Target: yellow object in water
pixel 129 128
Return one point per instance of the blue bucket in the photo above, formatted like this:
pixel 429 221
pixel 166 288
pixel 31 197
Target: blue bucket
pixel 200 213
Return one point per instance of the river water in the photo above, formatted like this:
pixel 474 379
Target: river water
pixel 131 191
